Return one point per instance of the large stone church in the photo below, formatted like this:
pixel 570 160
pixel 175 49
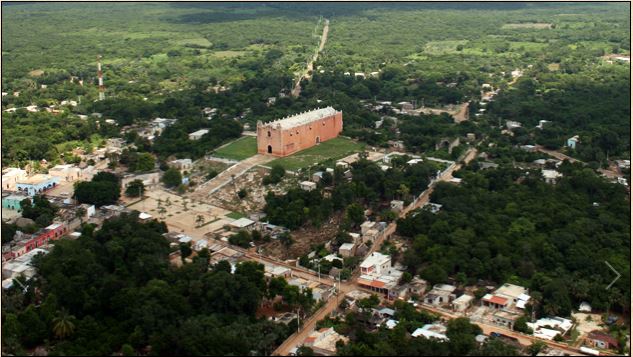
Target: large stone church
pixel 289 135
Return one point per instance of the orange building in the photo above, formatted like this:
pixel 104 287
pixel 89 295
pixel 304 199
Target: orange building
pixel 298 132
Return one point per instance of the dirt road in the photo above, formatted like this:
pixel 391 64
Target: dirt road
pixel 421 200
pixel 556 154
pixel 462 114
pixel 310 67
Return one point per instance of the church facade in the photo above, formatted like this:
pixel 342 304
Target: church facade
pixel 292 134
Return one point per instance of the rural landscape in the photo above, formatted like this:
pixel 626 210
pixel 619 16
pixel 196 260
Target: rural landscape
pixel 301 178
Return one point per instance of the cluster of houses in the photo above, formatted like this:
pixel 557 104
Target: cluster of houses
pixel 361 75
pixel 20 266
pixel 17 185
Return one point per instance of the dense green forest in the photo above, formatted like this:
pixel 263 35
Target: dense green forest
pixel 113 290
pixel 592 104
pixel 168 63
pixel 37 136
pixel 505 225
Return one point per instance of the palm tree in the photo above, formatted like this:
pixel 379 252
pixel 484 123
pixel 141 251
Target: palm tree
pixel 63 325
pixel 404 191
pixel 80 213
pixel 199 220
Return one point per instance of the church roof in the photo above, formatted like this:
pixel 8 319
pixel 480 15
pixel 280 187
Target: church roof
pixel 302 118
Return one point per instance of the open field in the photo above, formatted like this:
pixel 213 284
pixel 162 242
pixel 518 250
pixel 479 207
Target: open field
pixel 329 150
pixel 181 219
pixel 527 25
pixel 239 149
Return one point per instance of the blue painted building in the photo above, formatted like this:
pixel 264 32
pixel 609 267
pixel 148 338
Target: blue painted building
pixel 573 141
pixel 37 184
pixel 12 201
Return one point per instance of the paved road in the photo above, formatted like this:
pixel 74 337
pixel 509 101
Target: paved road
pixel 309 68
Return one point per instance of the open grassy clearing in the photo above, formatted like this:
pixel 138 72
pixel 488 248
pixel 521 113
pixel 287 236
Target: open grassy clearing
pixel 240 149
pixel 199 41
pixel 235 215
pixel 329 150
pixel 527 25
pixel 228 54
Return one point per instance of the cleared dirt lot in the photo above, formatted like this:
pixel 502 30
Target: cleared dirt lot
pixel 584 326
pixel 180 218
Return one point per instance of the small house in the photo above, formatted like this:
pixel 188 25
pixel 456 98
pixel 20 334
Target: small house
pixel 196 135
pixel 397 206
pixel 308 185
pixel 440 294
pixel 242 224
pixel 602 340
pixel 551 176
pixel 317 176
pixel 573 142
pixel 347 250
pixel 462 303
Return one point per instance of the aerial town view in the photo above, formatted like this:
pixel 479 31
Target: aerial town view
pixel 304 178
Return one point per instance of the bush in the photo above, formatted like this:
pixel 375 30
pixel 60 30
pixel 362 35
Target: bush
pixel 211 174
pixel 172 178
pixel 277 172
pixel 135 188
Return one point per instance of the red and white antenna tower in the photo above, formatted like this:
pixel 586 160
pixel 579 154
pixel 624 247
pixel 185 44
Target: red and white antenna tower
pixel 100 75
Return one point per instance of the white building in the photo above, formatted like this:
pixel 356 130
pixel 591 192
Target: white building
pixel 548 328
pixel 397 206
pixel 323 342
pixel 440 294
pixel 11 176
pixel 347 250
pixel 182 164
pixel 507 296
pixel 242 223
pixel 376 263
pixel 462 303
pixel 551 176
pixel 68 172
pixel 308 185
pixel 196 135
pixel 510 124
pixel 431 331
